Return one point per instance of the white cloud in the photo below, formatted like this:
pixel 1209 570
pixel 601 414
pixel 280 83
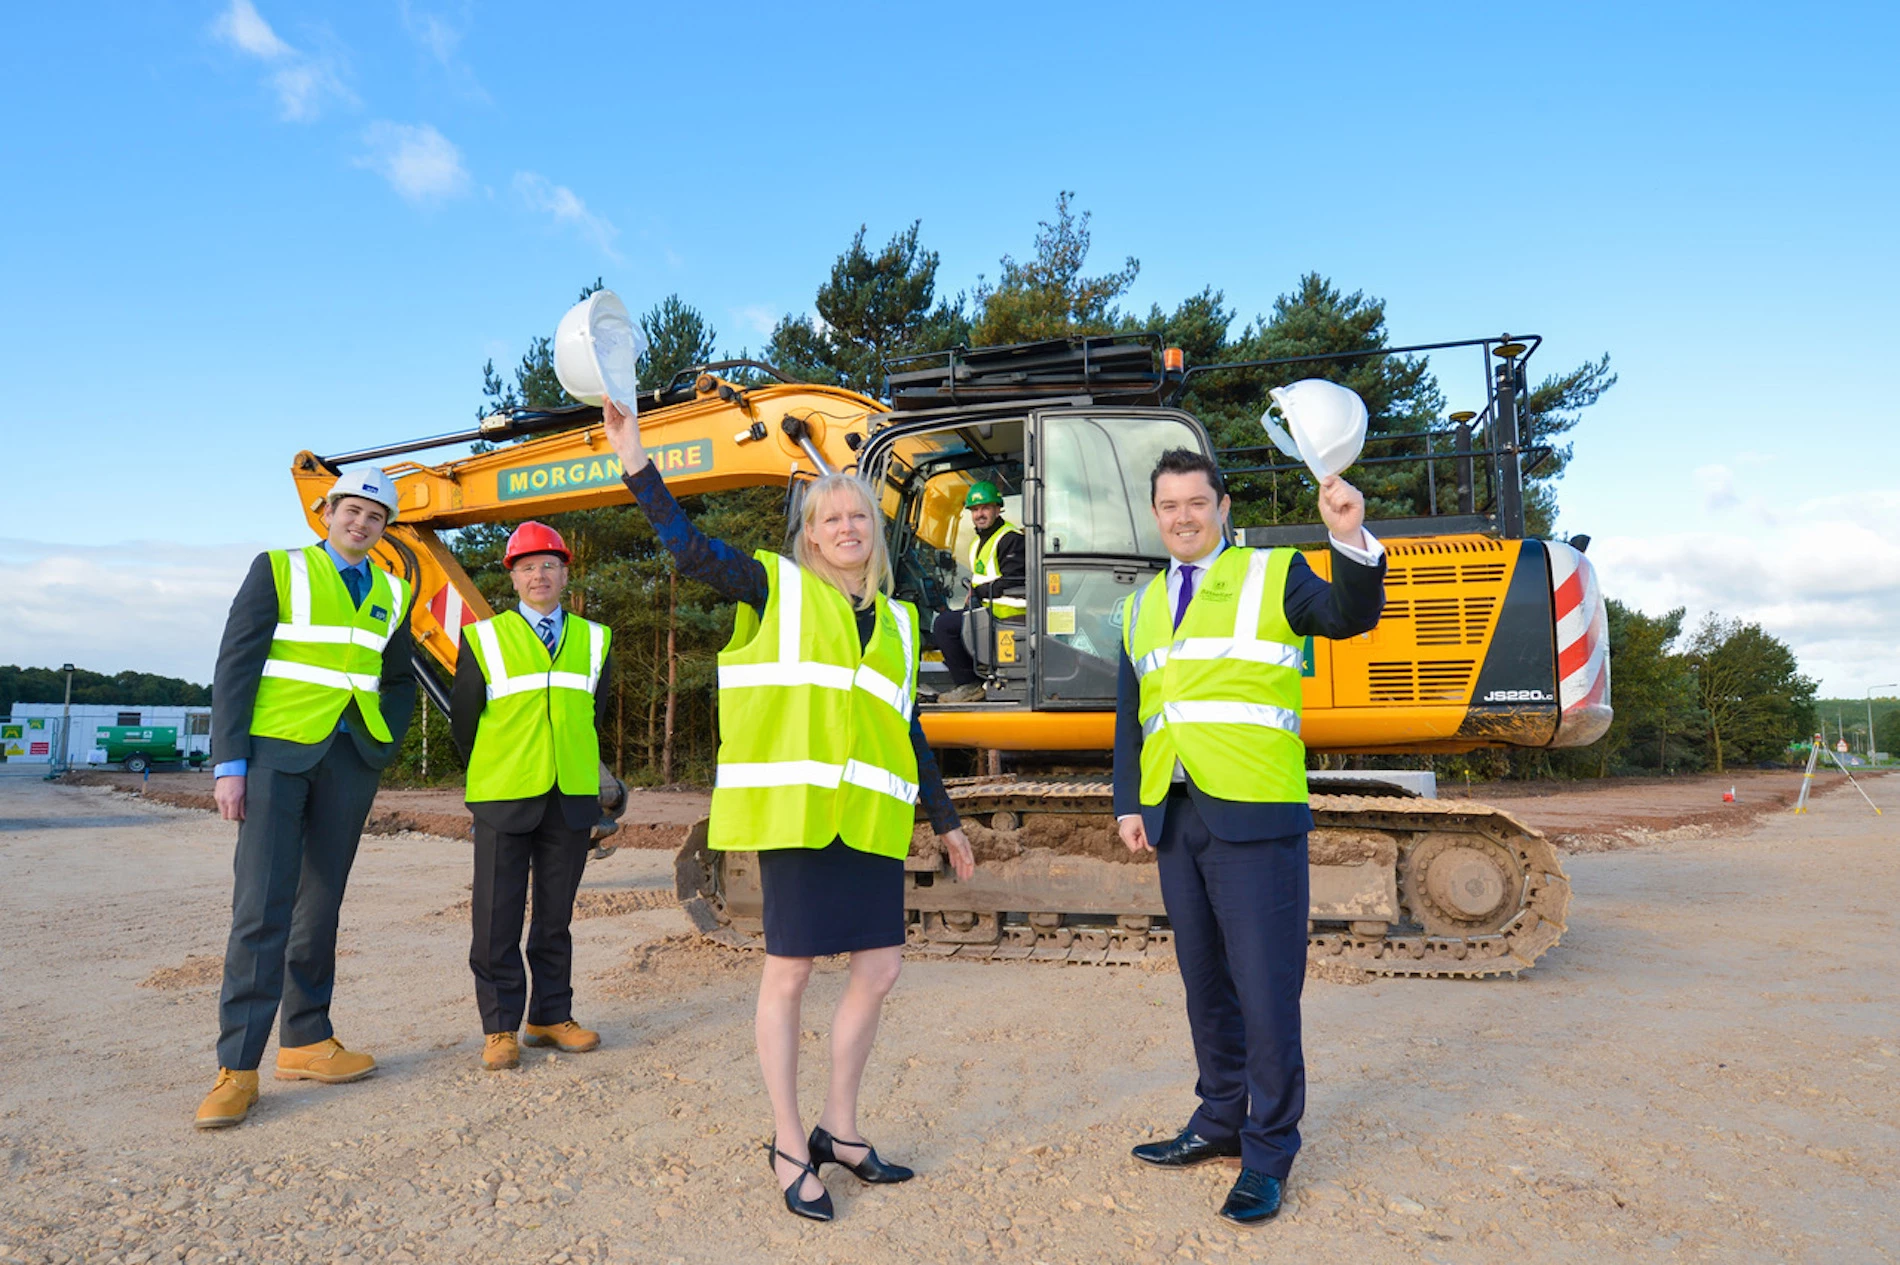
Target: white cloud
pixel 244 28
pixel 304 83
pixel 565 208
pixel 1827 583
pixel 419 162
pixel 304 89
pixel 440 37
pixel 757 318
pixel 1718 487
pixel 147 606
pixel 433 31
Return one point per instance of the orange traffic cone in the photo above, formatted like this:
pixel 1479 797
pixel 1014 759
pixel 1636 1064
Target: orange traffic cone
pixel 1728 796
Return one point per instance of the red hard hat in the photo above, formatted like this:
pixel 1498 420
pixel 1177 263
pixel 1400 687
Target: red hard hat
pixel 532 537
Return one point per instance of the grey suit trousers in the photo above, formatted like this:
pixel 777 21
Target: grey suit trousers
pixel 295 847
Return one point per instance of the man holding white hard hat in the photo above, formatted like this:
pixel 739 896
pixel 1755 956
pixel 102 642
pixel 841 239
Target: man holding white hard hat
pixel 314 690
pixel 1210 775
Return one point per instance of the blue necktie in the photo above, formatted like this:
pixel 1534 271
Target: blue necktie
pixel 1187 592
pixel 353 580
pixel 546 629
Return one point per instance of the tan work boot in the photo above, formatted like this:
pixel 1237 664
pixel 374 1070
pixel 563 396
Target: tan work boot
pixel 501 1052
pixel 229 1100
pixel 326 1061
pixel 568 1035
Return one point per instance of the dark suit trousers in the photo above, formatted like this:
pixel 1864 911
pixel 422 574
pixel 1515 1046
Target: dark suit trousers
pixel 1239 915
pixel 553 854
pixel 946 631
pixel 295 847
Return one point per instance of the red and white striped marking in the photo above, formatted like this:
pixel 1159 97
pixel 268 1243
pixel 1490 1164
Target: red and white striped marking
pixel 1583 648
pixel 451 612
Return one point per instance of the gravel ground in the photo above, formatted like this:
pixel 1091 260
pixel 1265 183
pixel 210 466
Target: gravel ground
pixel 1703 1070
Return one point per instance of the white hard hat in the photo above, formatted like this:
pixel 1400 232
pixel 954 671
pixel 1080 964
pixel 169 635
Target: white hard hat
pixel 370 483
pixel 1328 422
pixel 597 349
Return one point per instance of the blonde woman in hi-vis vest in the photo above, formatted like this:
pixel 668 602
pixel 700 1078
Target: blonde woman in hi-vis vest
pixel 821 764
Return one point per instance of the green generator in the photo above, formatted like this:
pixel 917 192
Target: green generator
pixel 138 748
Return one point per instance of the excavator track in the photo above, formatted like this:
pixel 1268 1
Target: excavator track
pixel 1402 886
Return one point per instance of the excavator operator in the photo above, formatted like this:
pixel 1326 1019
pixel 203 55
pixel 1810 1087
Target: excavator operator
pixel 996 566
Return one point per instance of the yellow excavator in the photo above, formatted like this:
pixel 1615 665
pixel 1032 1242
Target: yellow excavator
pixel 1489 638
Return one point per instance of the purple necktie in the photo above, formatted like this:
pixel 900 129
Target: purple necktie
pixel 1187 592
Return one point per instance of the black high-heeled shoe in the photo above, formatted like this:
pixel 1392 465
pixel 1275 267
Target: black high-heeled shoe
pixel 869 1169
pixel 818 1209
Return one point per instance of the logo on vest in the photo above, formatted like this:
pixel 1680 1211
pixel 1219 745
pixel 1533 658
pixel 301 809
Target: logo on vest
pixel 377 612
pixel 1215 591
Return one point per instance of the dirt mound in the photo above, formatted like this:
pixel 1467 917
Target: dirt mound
pixel 590 904
pixel 1610 813
pixel 660 966
pixel 399 821
pixel 663 838
pixel 196 971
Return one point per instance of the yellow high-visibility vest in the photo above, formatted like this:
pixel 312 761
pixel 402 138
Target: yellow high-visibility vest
pixel 536 730
pixel 1221 693
pixel 984 567
pixel 814 733
pixel 326 649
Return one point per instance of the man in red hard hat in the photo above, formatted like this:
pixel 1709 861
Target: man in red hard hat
pixel 531 686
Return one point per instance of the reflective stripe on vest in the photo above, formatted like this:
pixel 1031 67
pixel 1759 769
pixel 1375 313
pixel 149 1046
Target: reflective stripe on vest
pixel 817 773
pixel 789 670
pixel 501 684
pixel 1207 712
pixel 984 568
pixel 301 629
pixel 1222 693
pixel 325 648
pixel 536 732
pixel 814 731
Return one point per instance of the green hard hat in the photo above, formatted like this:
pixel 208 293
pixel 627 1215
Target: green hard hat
pixel 982 493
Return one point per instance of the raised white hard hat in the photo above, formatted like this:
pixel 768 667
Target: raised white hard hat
pixel 1328 422
pixel 597 350
pixel 370 483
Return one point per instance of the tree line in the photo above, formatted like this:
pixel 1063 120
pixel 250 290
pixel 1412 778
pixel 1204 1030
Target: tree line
pixel 130 689
pixel 1680 704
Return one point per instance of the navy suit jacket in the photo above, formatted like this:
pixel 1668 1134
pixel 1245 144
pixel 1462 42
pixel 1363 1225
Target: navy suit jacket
pixel 1350 605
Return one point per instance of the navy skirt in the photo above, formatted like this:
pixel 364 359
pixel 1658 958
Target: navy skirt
pixel 834 899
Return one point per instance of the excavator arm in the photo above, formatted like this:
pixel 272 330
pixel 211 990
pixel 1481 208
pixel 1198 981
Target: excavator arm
pixel 724 437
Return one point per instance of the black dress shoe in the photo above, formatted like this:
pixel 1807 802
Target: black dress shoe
pixel 869 1169
pixel 1255 1198
pixel 1185 1151
pixel 818 1209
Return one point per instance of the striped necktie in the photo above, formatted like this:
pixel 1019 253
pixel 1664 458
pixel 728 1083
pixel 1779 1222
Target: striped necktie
pixel 546 629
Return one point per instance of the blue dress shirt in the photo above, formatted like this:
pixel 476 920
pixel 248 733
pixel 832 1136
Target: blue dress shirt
pixel 534 618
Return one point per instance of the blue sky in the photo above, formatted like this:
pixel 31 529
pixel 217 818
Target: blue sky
pixel 238 228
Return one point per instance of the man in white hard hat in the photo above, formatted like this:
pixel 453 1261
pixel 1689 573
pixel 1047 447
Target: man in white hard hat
pixel 531 687
pixel 314 690
pixel 1210 775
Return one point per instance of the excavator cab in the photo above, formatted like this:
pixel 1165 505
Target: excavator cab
pixel 1075 479
pixel 1067 431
